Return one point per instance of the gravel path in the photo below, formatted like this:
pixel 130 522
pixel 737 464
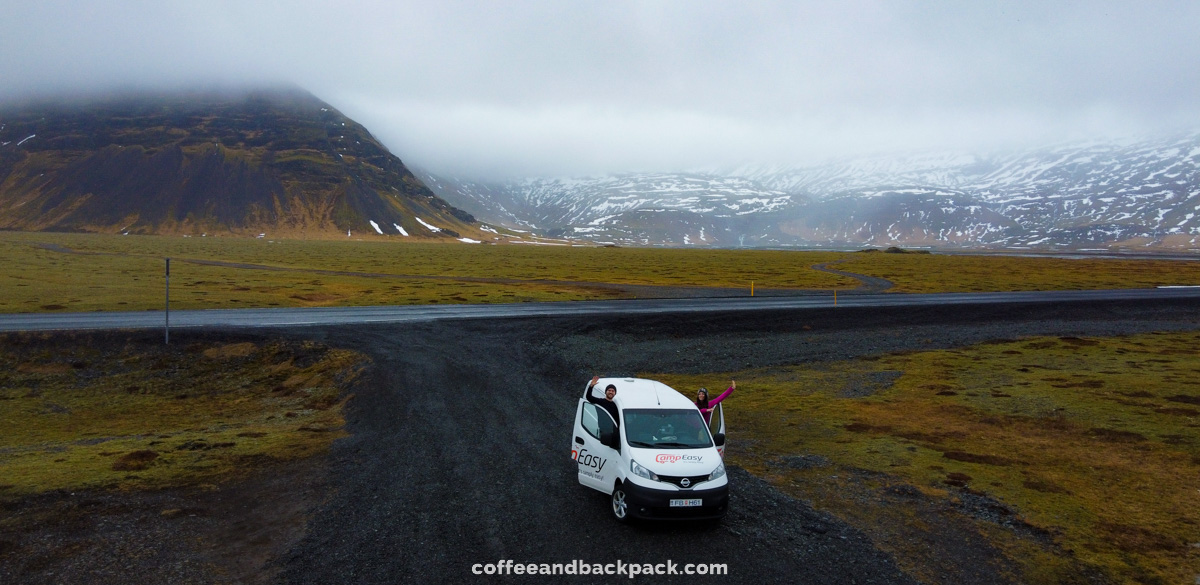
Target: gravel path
pixel 869 284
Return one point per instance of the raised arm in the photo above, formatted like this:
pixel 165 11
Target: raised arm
pixel 588 393
pixel 724 395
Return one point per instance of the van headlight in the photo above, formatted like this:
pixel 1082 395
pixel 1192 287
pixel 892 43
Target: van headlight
pixel 718 472
pixel 640 471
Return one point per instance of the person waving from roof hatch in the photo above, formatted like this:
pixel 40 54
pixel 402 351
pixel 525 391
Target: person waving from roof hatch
pixel 606 403
pixel 705 405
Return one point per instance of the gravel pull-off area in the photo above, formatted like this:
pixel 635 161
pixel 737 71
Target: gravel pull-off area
pixel 460 455
pixel 462 432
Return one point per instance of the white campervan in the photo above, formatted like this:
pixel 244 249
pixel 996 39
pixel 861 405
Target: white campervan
pixel 660 460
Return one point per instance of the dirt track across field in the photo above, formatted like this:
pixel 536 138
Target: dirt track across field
pixel 869 284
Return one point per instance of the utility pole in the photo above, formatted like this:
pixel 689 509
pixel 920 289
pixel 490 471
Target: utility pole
pixel 167 323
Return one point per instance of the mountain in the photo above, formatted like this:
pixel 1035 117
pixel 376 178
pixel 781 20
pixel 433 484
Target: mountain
pixel 276 161
pixel 1142 193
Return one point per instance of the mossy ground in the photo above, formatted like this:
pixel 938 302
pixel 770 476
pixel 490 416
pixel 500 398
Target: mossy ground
pixel 126 412
pixel 932 273
pixel 1084 451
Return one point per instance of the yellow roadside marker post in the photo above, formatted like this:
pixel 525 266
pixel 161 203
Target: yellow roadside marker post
pixel 751 288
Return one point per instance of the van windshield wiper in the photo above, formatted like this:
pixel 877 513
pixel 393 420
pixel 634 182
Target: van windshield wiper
pixel 672 445
pixel 640 444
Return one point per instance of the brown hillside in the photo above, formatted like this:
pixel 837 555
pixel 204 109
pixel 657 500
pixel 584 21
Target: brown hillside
pixel 281 162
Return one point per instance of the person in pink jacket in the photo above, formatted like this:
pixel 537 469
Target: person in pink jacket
pixel 705 405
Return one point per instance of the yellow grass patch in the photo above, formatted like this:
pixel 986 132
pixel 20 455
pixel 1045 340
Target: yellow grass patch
pixel 230 351
pixel 108 272
pixel 1093 443
pixel 128 413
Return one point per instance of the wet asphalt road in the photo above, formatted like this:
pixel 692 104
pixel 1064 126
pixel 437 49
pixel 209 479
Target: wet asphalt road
pixel 316 316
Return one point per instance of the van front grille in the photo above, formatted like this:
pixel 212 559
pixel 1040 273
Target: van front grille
pixel 678 480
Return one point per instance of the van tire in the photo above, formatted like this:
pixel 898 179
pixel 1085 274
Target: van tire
pixel 619 503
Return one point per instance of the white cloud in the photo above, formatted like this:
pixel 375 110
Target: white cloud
pixel 569 87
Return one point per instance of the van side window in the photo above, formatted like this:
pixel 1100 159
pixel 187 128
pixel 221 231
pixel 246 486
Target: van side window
pixel 597 420
pixel 591 422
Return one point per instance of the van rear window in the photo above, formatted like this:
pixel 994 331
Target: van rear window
pixel 666 429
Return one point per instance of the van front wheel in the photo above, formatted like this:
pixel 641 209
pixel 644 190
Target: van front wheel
pixel 620 506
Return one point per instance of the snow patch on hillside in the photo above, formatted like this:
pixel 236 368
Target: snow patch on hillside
pixel 427 226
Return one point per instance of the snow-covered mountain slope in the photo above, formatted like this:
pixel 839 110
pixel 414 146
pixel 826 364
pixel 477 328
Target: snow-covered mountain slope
pixel 1141 190
pixel 945 169
pixel 619 208
pixel 1138 193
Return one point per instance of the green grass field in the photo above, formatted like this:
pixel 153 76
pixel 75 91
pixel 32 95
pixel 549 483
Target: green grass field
pixel 1094 443
pixel 95 272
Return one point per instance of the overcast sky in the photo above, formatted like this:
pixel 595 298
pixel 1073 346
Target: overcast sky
pixel 574 87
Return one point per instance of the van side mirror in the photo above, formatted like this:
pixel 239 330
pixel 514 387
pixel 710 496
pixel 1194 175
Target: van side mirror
pixel 719 439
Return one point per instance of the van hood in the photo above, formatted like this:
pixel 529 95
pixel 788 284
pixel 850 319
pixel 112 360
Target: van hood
pixel 678 462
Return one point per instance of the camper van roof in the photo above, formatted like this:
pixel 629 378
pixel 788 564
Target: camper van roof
pixel 640 393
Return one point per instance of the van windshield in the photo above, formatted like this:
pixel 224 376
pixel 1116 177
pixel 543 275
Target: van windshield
pixel 666 429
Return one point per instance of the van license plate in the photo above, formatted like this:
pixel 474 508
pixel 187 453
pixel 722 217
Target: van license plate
pixel 687 503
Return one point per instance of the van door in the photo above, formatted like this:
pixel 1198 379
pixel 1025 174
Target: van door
pixel 597 463
pixel 716 424
pixel 577 431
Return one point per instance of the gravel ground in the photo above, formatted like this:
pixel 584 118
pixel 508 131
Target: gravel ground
pixel 460 456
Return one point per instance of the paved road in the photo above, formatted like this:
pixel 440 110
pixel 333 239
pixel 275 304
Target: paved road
pixel 292 317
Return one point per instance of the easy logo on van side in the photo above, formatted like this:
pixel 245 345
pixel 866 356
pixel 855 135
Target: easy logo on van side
pixel 666 458
pixel 588 460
